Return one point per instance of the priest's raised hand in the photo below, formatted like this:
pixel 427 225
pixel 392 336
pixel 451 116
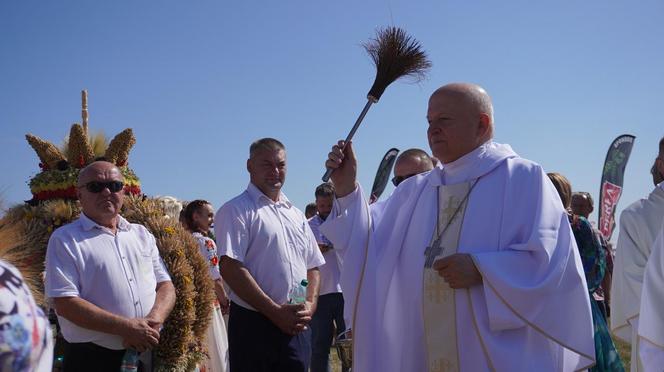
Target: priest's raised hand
pixel 458 270
pixel 342 160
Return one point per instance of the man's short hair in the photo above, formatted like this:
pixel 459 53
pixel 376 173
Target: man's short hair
pixel 270 144
pixel 661 148
pixel 324 190
pixel 585 194
pixel 416 154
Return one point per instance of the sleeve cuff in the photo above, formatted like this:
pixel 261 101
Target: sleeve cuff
pixel 231 255
pixel 57 294
pixel 501 317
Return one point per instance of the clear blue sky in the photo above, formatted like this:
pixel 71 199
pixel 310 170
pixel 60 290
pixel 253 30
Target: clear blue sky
pixel 199 80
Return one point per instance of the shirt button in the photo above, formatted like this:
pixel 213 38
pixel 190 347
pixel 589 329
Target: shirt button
pixel 131 280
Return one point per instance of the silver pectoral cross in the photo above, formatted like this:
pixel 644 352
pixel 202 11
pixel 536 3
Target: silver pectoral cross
pixel 432 252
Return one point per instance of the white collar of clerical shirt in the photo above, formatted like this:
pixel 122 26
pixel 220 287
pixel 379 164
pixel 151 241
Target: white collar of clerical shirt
pixel 472 165
pixel 256 195
pixel 87 224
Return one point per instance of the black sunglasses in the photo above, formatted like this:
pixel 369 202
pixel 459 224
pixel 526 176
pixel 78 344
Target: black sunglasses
pixel 96 187
pixel 396 180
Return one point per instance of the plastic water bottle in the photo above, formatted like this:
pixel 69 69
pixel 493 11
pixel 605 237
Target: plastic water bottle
pixel 129 361
pixel 298 294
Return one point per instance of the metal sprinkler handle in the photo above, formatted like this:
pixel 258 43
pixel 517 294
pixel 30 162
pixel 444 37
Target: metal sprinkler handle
pixel 370 100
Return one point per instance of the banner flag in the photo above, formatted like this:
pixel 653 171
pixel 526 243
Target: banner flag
pixel 383 173
pixel 612 182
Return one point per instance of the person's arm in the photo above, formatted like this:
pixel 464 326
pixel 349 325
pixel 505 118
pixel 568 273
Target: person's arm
pixel 243 284
pixel 208 249
pixel 222 297
pixel 324 245
pixel 136 332
pixel 163 304
pixel 313 289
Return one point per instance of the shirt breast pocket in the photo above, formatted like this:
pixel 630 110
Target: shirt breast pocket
pixel 300 240
pixel 145 261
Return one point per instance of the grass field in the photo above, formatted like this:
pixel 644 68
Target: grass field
pixel 334 360
pixel 624 349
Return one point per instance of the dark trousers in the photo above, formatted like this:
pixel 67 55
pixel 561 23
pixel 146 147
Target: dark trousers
pixel 255 344
pixel 84 357
pixel 330 309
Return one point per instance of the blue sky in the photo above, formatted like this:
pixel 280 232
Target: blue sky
pixel 199 80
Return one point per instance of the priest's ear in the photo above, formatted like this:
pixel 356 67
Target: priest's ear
pixel 485 127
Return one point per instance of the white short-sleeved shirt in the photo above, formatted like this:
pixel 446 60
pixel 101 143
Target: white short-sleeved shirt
pixel 272 240
pixel 330 272
pixel 116 272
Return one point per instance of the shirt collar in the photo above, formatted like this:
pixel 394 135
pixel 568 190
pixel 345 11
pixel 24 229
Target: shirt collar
pixel 472 165
pixel 256 195
pixel 87 224
pixel 464 161
pixel 661 185
pixel 435 177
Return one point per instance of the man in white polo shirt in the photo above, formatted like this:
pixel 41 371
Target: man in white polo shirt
pixel 330 309
pixel 267 249
pixel 104 275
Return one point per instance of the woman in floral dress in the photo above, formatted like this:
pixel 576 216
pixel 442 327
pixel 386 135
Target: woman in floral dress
pixel 198 216
pixel 594 266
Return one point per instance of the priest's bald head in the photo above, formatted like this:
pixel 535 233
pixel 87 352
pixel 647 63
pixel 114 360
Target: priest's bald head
pixel 460 117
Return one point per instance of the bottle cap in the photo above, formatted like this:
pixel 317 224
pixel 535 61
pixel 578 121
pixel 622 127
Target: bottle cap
pixel 304 283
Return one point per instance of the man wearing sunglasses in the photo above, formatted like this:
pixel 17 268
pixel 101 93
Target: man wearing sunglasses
pixel 472 266
pixel 409 163
pixel 110 288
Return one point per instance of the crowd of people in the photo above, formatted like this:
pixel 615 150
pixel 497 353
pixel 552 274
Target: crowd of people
pixel 479 260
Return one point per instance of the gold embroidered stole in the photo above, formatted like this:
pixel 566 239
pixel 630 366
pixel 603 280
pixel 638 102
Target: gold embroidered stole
pixel 439 311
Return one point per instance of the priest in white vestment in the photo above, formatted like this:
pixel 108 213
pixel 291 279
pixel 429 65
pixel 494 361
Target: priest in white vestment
pixel 639 225
pixel 651 318
pixel 472 267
